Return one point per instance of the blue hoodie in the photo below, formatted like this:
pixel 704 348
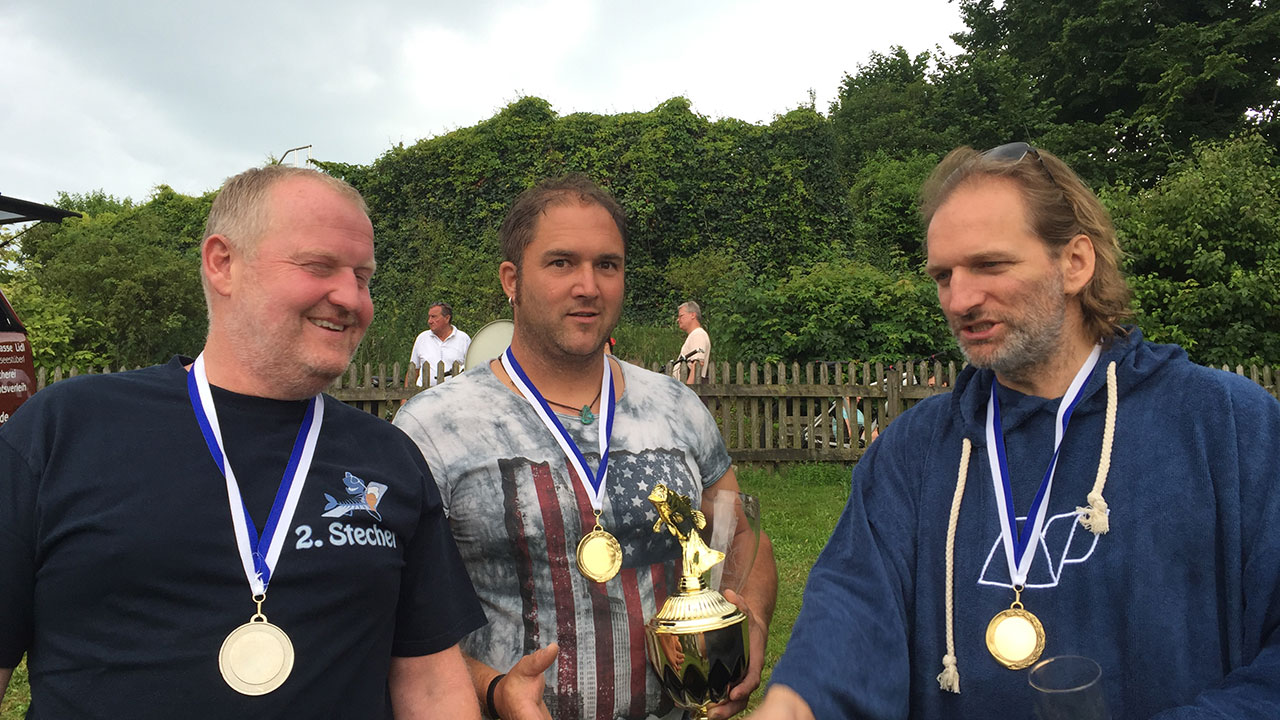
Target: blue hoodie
pixel 1179 602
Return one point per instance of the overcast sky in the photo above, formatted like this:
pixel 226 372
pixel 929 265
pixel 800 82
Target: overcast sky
pixel 124 96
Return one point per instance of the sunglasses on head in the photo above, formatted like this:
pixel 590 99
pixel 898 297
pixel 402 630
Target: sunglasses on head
pixel 1014 152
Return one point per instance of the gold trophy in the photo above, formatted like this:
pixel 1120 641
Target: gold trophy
pixel 698 643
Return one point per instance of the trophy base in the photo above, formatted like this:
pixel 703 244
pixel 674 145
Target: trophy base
pixel 699 647
pixel 700 712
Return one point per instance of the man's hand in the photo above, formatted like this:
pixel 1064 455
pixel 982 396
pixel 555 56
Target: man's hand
pixel 782 703
pixel 762 588
pixel 519 694
pixel 759 637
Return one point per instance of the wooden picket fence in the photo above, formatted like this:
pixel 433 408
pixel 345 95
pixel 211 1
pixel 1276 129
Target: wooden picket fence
pixel 767 413
pixel 772 413
pixel 381 393
pixel 369 388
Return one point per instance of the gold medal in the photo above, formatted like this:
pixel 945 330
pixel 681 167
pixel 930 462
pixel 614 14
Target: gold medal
pixel 256 657
pixel 599 554
pixel 1015 637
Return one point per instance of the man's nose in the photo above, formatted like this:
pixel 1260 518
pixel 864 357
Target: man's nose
pixel 584 281
pixel 963 293
pixel 348 291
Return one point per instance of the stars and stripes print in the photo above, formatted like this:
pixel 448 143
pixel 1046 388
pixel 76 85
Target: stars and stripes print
pixel 517 516
pixel 601 671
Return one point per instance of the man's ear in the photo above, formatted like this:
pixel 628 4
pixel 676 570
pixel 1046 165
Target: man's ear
pixel 1077 260
pixel 507 274
pixel 215 263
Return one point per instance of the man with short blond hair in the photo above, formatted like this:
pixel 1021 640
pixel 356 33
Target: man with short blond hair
pixel 1080 492
pixel 215 538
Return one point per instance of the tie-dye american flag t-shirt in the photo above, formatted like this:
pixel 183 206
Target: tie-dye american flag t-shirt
pixel 518 511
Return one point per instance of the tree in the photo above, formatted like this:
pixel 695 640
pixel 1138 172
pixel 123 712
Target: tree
pixel 888 107
pixel 835 310
pixel 884 198
pixel 985 100
pixel 94 202
pixel 1204 252
pixel 433 268
pixel 50 318
pixel 1135 83
pixel 770 195
pixel 120 285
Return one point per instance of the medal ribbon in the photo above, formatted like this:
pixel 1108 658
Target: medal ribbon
pixel 257 566
pixel 593 483
pixel 1019 547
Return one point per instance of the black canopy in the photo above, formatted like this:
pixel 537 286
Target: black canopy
pixel 13 210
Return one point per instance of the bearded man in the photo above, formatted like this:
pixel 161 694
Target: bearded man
pixel 1080 492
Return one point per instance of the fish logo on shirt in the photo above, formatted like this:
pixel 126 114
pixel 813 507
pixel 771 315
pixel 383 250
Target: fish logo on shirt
pixel 365 496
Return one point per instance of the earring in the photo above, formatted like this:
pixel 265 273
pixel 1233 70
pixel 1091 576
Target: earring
pixel 511 300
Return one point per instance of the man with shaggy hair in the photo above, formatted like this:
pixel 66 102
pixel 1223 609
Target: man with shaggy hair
pixel 1080 492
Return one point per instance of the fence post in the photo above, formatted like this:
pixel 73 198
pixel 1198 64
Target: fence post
pixel 893 387
pixel 757 438
pixel 771 410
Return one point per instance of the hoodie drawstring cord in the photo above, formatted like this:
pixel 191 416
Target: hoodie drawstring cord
pixel 1095 518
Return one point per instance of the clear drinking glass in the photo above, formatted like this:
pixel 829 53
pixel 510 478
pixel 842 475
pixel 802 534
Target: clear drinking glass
pixel 1068 687
pixel 731 515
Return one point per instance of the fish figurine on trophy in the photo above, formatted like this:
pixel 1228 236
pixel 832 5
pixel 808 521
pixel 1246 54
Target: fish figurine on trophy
pixel 698 641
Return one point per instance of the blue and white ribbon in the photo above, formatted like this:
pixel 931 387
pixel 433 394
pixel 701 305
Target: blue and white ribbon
pixel 1019 548
pixel 593 483
pixel 258 565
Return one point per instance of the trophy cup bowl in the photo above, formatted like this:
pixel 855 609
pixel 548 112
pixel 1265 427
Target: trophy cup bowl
pixel 698 642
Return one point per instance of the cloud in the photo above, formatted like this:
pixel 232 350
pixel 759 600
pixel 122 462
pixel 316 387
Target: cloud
pixel 125 96
pixel 523 50
pixel 74 127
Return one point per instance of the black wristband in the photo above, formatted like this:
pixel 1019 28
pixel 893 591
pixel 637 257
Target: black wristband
pixel 488 697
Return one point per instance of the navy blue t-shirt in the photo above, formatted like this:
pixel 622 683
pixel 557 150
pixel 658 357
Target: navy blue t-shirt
pixel 122 577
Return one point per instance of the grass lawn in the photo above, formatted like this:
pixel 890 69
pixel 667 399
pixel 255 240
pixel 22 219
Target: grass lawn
pixel 799 506
pixel 18 697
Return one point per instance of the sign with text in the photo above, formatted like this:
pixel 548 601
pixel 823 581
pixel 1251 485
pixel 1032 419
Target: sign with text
pixel 17 374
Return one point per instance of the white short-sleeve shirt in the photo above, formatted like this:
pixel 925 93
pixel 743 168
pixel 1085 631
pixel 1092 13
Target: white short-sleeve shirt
pixel 431 350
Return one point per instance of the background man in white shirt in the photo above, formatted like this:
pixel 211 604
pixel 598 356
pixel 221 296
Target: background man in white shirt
pixel 440 342
pixel 696 351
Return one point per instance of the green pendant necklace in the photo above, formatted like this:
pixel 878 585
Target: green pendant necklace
pixel 586 416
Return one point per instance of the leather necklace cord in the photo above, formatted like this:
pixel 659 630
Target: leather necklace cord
pixel 572 407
